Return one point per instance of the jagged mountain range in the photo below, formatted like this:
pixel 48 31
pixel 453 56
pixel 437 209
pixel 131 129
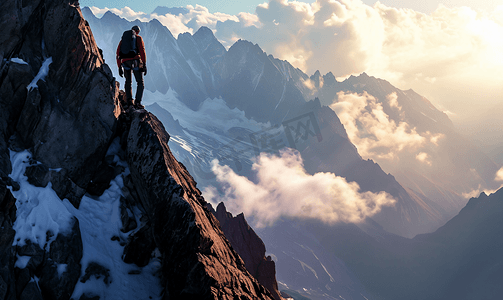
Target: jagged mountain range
pixel 197 67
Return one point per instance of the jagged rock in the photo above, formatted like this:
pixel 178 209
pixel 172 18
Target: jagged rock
pixel 3 288
pixel 127 217
pixel 102 178
pixel 23 277
pixel 98 271
pixel 198 261
pixel 31 292
pixel 7 254
pixel 35 253
pixel 17 76
pixel 12 97
pixel 76 104
pixel 140 246
pixel 38 175
pixel 5 165
pixel 65 250
pixel 67 121
pixel 249 246
pixel 66 188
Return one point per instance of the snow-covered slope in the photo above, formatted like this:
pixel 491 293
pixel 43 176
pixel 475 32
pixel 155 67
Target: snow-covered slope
pixel 104 273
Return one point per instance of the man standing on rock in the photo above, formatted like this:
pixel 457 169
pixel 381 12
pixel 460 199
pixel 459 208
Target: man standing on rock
pixel 131 57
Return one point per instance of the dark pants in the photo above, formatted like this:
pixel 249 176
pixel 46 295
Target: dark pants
pixel 130 66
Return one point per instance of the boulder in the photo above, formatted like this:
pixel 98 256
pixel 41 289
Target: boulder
pixel 97 271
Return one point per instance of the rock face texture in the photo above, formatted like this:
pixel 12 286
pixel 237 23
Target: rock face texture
pixel 7 253
pixel 58 100
pixel 198 261
pixel 58 94
pixel 61 103
pixel 250 247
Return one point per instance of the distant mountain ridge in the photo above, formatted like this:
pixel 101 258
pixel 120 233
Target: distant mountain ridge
pixel 265 88
pixel 272 91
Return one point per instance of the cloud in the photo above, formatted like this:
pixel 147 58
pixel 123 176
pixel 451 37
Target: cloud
pixel 125 12
pixel 452 56
pixel 175 24
pixel 393 100
pixel 373 132
pixel 424 158
pixel 499 175
pixel 284 189
pixel 476 192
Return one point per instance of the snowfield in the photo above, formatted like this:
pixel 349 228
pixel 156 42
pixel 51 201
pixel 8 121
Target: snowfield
pixel 40 210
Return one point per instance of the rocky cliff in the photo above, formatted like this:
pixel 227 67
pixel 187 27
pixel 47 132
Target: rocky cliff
pixel 61 103
pixel 249 246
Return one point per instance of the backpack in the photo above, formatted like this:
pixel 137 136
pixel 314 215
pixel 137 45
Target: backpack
pixel 128 46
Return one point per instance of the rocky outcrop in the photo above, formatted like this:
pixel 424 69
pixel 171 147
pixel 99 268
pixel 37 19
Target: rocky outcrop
pixel 57 92
pixel 7 253
pixel 60 101
pixel 197 260
pixel 249 246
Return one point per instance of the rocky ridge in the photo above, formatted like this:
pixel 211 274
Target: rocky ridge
pixel 249 246
pixel 61 102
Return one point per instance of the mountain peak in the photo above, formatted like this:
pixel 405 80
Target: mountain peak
pixel 204 33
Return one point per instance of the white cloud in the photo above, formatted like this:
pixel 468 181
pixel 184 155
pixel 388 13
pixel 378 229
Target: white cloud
pixel 175 24
pixel 373 132
pixel 424 158
pixel 125 12
pixel 393 100
pixel 499 175
pixel 476 192
pixel 284 189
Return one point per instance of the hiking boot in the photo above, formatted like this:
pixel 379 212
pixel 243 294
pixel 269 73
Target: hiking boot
pixel 138 105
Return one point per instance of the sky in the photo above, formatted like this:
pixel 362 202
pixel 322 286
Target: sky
pixel 235 7
pixel 449 51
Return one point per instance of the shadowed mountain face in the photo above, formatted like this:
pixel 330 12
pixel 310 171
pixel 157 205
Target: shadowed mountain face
pixel 92 201
pixel 453 165
pixel 461 260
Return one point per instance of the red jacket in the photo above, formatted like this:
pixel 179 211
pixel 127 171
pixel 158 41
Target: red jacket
pixel 141 52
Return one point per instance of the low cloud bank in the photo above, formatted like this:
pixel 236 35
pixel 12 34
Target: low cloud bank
pixel 284 189
pixel 373 132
